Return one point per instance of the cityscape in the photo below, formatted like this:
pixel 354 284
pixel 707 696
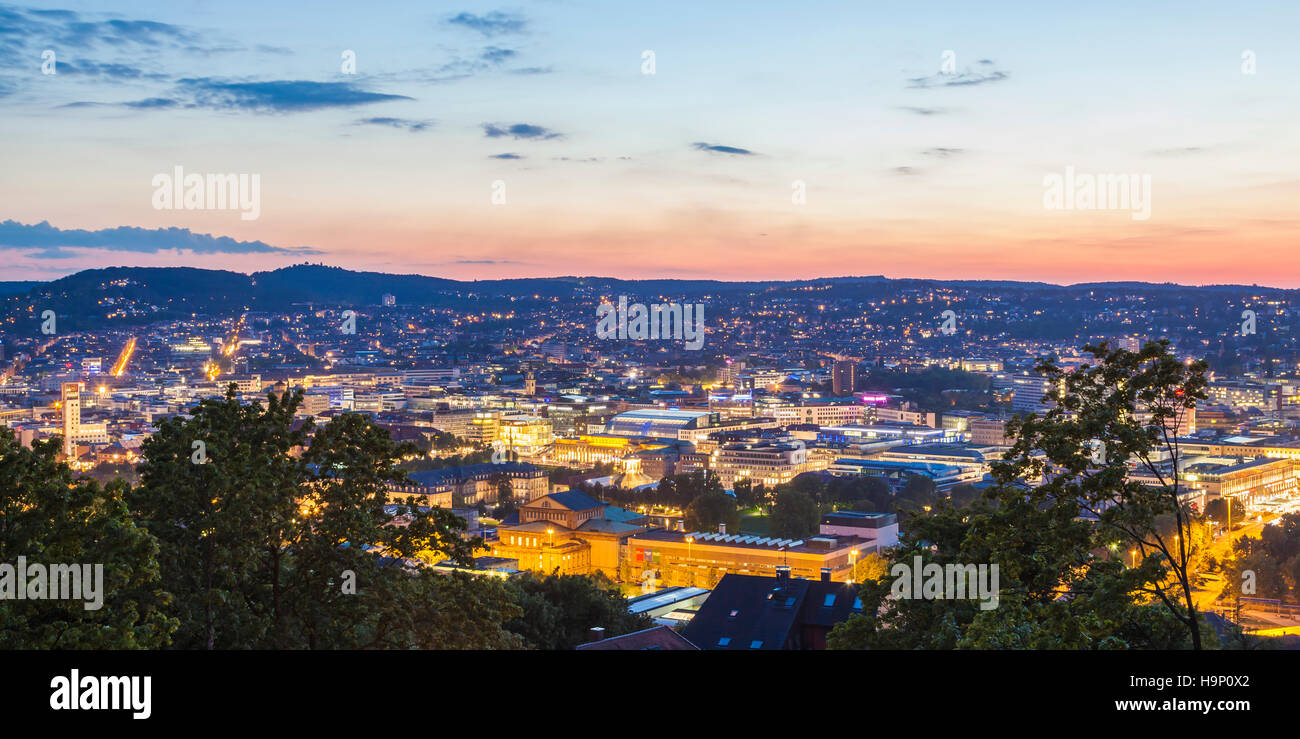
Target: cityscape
pixel 795 443
pixel 872 334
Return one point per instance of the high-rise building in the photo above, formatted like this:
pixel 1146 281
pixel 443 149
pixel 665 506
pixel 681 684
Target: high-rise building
pixel 843 375
pixel 389 299
pixel 71 406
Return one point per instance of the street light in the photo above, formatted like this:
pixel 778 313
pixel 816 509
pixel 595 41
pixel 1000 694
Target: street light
pixel 853 564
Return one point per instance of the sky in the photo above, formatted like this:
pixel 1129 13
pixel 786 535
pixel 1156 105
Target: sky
pixel 721 140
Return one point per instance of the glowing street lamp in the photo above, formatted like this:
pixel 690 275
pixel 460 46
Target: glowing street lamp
pixel 853 564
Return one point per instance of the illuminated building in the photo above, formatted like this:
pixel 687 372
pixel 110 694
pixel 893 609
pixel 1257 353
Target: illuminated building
pixel 843 376
pixel 565 531
pixel 71 410
pixel 897 472
pixel 526 435
pixel 770 462
pixel 682 558
pixel 471 484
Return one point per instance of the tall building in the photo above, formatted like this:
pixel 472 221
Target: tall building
pixel 71 417
pixel 389 299
pixel 843 375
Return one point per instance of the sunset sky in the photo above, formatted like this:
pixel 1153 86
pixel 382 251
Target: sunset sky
pixel 911 169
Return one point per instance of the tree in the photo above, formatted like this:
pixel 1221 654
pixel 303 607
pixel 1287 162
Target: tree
pixel 871 566
pixel 273 533
pixel 1217 510
pixel 917 494
pixel 963 495
pixel 1125 408
pixel 795 515
pixel 558 611
pixel 49 517
pixel 710 509
pixel 1060 587
pixel 749 494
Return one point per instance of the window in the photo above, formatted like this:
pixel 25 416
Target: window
pixel 756 644
pixel 724 641
pixel 732 616
pixel 830 601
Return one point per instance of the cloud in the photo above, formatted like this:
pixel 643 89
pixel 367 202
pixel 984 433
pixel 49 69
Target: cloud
pixel 152 103
pixel 942 152
pixel 720 149
pixel 110 70
pixel 51 242
pixel 905 170
pixel 924 111
pixel 960 79
pixel 507 155
pixel 1178 151
pixel 279 96
pixel 496 55
pixel 520 131
pixel 495 23
pixel 406 123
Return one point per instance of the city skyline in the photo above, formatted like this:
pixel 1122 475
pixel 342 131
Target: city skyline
pixel 922 139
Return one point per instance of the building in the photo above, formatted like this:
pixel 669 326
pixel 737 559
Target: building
pixel 657 423
pixel 879 530
pixel 655 638
pixel 1028 392
pixel 897 472
pixel 696 558
pixel 472 484
pixel 752 612
pixel 843 376
pixel 526 435
pixel 770 462
pixel 565 532
pixel 388 299
pixel 972 462
pixel 71 410
pixel 989 432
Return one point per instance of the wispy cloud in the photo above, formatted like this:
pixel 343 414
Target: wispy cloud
pixel 923 111
pixel 279 96
pixel 720 149
pixel 961 79
pixel 413 126
pixel 942 152
pixel 496 23
pixel 506 155
pixel 519 131
pixel 51 242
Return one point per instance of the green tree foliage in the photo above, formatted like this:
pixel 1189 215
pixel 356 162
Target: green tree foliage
pixel 710 509
pixel 559 610
pixel 917 494
pixel 272 541
pixel 1217 510
pixel 50 517
pixel 795 515
pixel 1125 407
pixel 1061 586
